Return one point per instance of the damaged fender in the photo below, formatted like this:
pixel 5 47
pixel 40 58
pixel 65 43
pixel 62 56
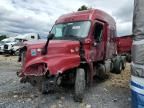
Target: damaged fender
pixel 53 63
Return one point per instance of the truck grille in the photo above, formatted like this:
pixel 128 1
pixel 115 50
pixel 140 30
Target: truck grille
pixel 5 46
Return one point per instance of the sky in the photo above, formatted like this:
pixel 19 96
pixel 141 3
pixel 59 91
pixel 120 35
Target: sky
pixel 38 16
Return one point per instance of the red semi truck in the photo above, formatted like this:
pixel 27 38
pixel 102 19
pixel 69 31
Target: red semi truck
pixel 124 44
pixel 80 45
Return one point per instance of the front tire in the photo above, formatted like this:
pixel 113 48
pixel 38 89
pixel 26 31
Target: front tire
pixel 102 73
pixel 80 84
pixel 129 58
pixel 16 53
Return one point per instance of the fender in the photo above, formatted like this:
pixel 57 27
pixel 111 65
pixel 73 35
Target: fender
pixel 54 64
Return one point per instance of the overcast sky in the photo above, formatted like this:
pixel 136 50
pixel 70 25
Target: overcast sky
pixel 38 16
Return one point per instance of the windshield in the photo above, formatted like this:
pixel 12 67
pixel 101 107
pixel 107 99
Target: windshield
pixel 18 40
pixel 3 42
pixel 7 41
pixel 71 30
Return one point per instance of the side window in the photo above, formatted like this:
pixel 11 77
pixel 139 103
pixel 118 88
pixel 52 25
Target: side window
pixel 32 37
pixel 98 31
pixel 58 32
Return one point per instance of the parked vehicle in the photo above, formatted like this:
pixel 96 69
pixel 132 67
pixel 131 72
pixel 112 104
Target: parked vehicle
pixel 2 45
pixel 3 42
pixel 80 45
pixel 124 44
pixel 14 46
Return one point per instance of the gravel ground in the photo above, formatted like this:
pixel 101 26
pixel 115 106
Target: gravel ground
pixel 113 93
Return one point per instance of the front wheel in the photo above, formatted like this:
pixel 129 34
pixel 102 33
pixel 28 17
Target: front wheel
pixel 16 53
pixel 80 84
pixel 129 58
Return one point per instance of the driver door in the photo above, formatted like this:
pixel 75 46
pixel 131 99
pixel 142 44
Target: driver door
pixel 98 45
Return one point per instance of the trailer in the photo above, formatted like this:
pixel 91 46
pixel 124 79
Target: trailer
pixel 124 45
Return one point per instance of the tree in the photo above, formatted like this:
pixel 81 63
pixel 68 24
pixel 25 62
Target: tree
pixel 2 37
pixel 83 7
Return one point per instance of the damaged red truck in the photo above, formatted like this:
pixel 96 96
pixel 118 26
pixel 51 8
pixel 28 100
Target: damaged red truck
pixel 80 45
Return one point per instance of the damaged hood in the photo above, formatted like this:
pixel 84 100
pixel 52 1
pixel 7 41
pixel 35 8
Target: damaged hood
pixel 55 46
pixel 62 55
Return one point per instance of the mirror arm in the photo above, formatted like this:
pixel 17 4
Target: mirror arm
pixel 45 50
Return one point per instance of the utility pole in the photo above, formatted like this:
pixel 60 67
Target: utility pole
pixel 137 65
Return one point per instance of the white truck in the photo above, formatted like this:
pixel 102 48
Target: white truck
pixel 14 46
pixel 5 41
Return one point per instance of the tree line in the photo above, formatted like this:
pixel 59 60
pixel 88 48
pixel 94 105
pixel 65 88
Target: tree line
pixel 83 7
pixel 3 37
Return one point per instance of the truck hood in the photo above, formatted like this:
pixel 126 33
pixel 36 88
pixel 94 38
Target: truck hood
pixel 62 55
pixel 55 46
pixel 35 42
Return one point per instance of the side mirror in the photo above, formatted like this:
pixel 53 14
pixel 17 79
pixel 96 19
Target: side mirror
pixel 51 36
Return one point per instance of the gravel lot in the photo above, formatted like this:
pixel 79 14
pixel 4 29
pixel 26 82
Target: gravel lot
pixel 113 93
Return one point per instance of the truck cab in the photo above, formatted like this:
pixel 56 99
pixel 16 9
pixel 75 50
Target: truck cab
pixel 93 26
pixel 3 42
pixel 80 45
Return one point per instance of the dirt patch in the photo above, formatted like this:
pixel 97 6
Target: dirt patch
pixel 121 80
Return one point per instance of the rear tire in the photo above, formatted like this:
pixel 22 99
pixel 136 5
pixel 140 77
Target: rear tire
pixel 102 72
pixel 123 62
pixel 80 84
pixel 117 66
pixel 128 58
